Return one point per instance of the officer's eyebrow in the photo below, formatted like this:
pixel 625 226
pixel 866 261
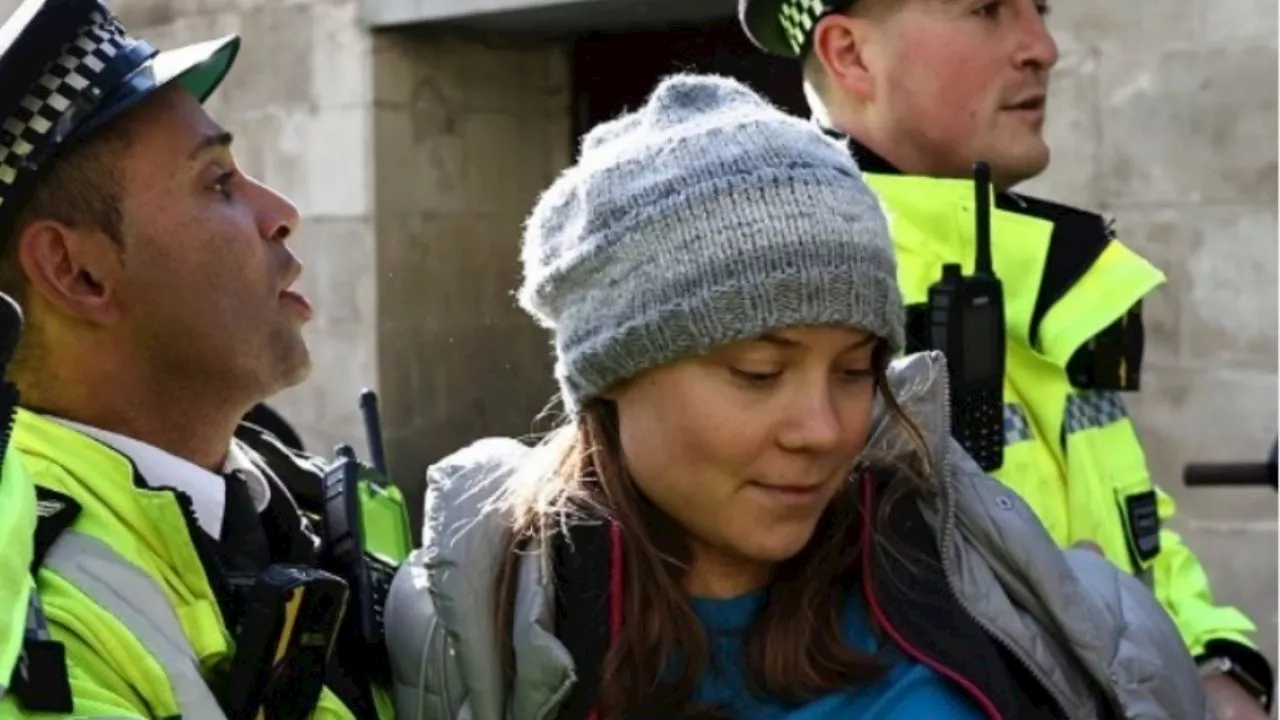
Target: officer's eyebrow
pixel 210 141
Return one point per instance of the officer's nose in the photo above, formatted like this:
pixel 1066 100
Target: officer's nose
pixel 1036 46
pixel 278 218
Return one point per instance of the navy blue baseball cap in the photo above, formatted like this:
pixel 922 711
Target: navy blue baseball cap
pixel 68 68
pixel 785 27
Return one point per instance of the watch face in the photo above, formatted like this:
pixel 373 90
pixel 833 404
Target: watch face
pixel 1224 666
pixel 1215 666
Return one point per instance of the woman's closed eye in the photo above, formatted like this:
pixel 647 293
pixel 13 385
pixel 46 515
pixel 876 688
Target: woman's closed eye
pixel 755 376
pixel 861 374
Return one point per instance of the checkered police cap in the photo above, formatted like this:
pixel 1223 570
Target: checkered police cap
pixel 784 27
pixel 67 69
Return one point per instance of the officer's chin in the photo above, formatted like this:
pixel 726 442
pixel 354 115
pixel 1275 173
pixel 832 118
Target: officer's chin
pixel 294 365
pixel 1020 163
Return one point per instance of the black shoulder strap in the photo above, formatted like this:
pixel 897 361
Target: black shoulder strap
pixel 294 520
pixel 267 418
pixel 40 680
pixel 301 473
pixel 55 512
pixel 580 560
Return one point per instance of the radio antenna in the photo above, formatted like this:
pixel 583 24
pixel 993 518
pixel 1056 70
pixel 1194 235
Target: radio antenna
pixel 982 212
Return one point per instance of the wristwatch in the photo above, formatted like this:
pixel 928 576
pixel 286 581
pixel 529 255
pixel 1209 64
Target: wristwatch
pixel 1223 665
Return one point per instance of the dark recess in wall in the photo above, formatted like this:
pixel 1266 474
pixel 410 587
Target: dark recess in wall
pixel 615 71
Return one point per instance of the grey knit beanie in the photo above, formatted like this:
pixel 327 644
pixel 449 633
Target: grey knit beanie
pixel 704 218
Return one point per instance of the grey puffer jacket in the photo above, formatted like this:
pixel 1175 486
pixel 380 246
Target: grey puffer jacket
pixel 1075 619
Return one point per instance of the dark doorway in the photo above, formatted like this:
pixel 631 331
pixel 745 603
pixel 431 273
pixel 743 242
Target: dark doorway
pixel 614 72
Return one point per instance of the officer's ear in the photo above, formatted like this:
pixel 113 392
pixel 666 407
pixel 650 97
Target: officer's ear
pixel 74 270
pixel 840 42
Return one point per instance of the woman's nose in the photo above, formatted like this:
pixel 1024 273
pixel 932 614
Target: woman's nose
pixel 814 423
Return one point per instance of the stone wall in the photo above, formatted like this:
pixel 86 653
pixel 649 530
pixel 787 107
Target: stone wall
pixel 1167 119
pixel 467 133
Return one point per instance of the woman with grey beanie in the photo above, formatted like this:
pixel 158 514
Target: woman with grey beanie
pixel 753 511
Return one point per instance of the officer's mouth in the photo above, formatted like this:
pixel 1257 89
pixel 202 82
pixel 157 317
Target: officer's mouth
pixel 297 302
pixel 291 298
pixel 1032 105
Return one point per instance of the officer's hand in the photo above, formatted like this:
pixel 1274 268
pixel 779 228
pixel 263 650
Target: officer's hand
pixel 1230 701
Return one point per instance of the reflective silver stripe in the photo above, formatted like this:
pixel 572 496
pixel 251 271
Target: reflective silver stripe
pixel 1016 426
pixel 135 599
pixel 35 628
pixel 1092 409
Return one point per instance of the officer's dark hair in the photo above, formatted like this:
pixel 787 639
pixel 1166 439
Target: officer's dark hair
pixel 80 188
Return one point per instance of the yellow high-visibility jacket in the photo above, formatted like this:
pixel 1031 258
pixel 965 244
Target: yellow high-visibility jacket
pixel 1072 454
pixel 122 586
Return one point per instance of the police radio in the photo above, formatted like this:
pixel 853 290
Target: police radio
pixel 367 534
pixel 966 323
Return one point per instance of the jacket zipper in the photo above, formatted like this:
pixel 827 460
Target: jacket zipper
pixel 445 693
pixel 988 707
pixel 948 536
pixel 446 705
pixel 558 697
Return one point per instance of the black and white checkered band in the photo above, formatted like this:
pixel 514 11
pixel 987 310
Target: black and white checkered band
pixel 69 90
pixel 797 18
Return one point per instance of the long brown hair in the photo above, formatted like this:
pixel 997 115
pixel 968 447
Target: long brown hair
pixel 795 647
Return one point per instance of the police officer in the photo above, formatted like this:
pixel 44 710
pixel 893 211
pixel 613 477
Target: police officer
pixel 161 305
pixel 22 622
pixel 923 89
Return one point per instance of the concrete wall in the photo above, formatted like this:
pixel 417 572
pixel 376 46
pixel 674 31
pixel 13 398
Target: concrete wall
pixel 468 132
pixel 1167 119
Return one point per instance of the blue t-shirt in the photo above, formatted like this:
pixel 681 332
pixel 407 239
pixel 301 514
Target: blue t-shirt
pixel 909 691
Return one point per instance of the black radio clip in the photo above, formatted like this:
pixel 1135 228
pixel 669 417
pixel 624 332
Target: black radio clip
pixel 292 619
pixel 966 323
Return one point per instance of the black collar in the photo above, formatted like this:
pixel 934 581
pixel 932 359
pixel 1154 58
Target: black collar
pixel 871 161
pixel 868 160
pixel 1078 239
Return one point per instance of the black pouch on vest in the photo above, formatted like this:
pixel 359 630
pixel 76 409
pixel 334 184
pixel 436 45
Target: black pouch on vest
pixel 40 680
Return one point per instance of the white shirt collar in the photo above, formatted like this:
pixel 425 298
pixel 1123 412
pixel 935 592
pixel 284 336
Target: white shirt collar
pixel 162 469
